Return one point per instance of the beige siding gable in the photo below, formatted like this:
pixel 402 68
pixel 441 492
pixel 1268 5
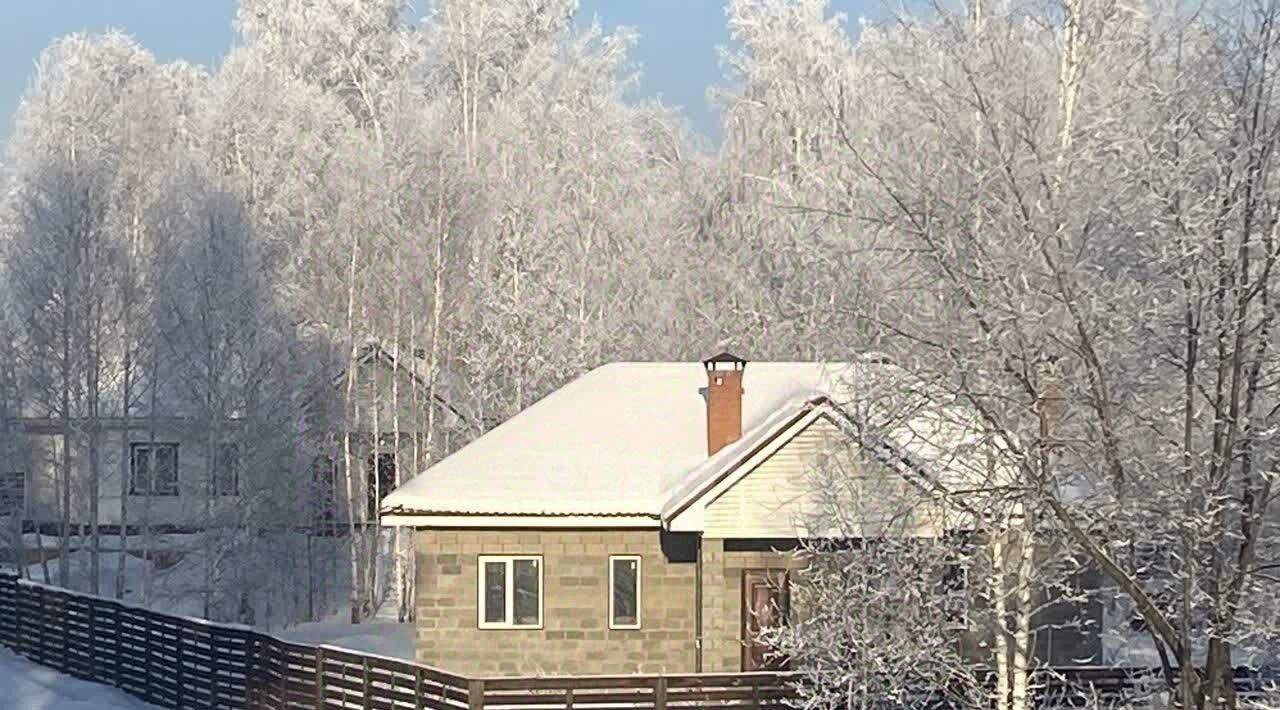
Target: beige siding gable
pixel 778 497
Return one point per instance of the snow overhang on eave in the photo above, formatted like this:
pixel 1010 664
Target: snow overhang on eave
pixel 516 521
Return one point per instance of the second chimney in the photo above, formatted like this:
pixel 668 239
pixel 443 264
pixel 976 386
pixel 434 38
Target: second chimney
pixel 724 400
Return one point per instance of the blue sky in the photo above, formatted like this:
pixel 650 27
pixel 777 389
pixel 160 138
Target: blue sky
pixel 676 51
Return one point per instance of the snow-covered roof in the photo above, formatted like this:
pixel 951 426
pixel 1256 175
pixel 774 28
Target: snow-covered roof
pixel 400 359
pixel 625 439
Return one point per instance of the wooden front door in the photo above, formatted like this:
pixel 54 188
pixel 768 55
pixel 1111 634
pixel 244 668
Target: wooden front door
pixel 766 602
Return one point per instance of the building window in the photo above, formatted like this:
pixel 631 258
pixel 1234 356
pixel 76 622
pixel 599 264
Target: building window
pixel 510 592
pixel 624 592
pixel 226 469
pixel 955 585
pixel 153 469
pixel 380 477
pixel 13 493
pixel 1153 569
pixel 324 473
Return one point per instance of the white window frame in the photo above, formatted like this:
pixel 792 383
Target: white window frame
pixel 639 568
pixel 151 447
pixel 510 583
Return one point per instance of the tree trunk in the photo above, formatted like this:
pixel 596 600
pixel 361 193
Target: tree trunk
pixel 126 408
pixel 212 545
pixel 64 543
pixel 1021 666
pixel 93 362
pixel 125 424
pixel 350 420
pixel 396 583
pixel 373 493
pixel 998 598
pixel 148 542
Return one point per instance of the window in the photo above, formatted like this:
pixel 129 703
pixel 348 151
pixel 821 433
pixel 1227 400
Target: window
pixel 153 469
pixel 324 473
pixel 380 477
pixel 510 592
pixel 955 584
pixel 1153 568
pixel 226 469
pixel 13 493
pixel 624 592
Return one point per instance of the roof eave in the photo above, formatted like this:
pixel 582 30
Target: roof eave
pixel 502 521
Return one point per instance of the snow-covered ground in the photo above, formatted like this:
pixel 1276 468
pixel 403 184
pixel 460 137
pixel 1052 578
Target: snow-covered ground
pixel 172 589
pixel 176 590
pixel 29 686
pixel 379 636
pixel 279 590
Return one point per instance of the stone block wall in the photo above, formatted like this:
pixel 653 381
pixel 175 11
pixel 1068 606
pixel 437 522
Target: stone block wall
pixel 575 637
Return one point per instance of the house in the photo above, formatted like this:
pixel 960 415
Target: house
pixel 183 472
pixel 638 519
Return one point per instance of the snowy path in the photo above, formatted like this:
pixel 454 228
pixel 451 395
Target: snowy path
pixel 28 686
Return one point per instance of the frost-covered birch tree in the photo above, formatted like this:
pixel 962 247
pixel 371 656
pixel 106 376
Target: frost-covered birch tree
pixel 61 221
pixel 1113 217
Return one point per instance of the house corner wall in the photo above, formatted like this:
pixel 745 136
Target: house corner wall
pixel 721 651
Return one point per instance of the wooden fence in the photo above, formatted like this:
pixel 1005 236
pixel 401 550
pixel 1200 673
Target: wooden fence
pixel 179 662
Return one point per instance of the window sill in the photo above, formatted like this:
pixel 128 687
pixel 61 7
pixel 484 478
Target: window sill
pixel 508 627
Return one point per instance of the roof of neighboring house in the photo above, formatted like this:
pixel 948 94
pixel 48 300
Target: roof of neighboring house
pixel 409 363
pixel 629 439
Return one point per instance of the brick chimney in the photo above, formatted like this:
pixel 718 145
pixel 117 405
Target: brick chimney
pixel 724 400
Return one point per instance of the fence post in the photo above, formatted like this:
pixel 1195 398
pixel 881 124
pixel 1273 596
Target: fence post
pixel 417 688
pixel 65 665
pixel 20 644
pixel 364 675
pixel 284 675
pixel 115 644
pixel 475 695
pixel 319 677
pixel 90 666
pixel 41 656
pixel 146 655
pixel 180 658
pixel 660 693
pixel 568 699
pixel 257 673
